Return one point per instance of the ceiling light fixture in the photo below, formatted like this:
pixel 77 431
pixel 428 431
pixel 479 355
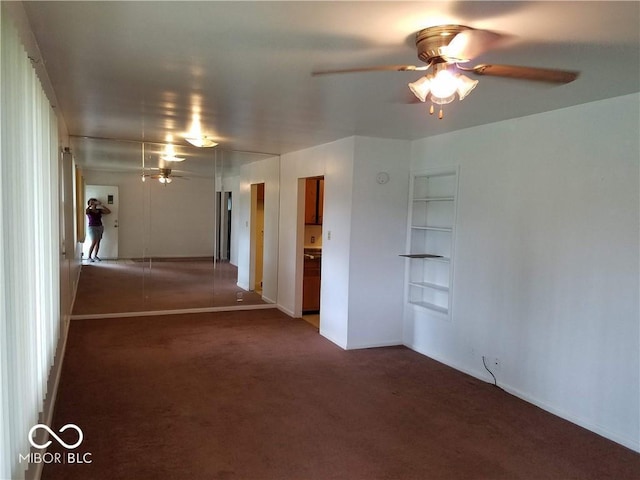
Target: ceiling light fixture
pixel 195 136
pixel 170 154
pixel 201 141
pixel 441 86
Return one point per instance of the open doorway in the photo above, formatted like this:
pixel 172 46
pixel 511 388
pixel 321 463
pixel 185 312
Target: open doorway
pixel 257 237
pixel 223 222
pixel 312 250
pixel 108 196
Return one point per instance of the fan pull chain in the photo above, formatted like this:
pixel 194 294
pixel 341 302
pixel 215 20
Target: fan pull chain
pixel 440 113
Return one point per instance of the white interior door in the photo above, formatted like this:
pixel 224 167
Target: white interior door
pixel 108 195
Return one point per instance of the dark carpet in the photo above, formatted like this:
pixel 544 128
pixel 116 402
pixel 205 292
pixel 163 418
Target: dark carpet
pixel 258 395
pixel 119 286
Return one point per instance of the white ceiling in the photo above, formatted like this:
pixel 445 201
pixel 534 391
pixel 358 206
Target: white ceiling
pixel 137 70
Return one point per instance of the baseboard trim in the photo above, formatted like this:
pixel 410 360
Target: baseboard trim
pixel 182 311
pixel 332 339
pixel 581 422
pixel 286 311
pixel 268 300
pixel 359 346
pixel 597 429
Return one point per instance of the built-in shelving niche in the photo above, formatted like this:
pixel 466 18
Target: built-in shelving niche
pixel 430 239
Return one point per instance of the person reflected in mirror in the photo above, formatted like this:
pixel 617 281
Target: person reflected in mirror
pixel 94 211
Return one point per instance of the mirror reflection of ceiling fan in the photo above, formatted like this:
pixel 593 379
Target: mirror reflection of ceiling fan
pixel 164 176
pixel 444 49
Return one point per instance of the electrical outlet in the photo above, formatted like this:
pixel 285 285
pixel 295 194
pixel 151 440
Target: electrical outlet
pixel 494 364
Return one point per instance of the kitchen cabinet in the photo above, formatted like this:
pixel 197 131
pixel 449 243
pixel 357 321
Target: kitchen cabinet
pixel 314 204
pixel 311 283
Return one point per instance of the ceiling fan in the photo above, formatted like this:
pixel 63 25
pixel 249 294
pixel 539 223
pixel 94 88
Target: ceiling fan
pixel 164 176
pixel 443 49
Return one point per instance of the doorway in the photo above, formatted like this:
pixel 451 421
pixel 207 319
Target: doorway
pixel 108 195
pixel 312 249
pixel 223 224
pixel 257 237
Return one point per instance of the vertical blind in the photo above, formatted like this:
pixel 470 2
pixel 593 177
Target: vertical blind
pixel 29 245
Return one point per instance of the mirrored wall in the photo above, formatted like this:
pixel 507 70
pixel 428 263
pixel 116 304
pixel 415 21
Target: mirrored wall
pixel 184 227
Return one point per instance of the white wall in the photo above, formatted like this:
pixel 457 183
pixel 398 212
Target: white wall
pixel 363 234
pixel 267 172
pixel 175 220
pixel 334 161
pixel 546 261
pixel 378 226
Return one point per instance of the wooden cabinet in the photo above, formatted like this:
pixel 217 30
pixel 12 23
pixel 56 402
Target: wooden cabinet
pixel 311 284
pixel 430 239
pixel 314 205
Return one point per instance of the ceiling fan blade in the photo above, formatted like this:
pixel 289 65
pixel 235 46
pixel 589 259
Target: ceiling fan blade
pixel 524 73
pixel 471 43
pixel 395 68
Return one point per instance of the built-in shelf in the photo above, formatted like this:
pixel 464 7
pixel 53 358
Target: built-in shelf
pixel 430 231
pixel 434 228
pixel 431 306
pixel 426 256
pixel 434 199
pixel 435 286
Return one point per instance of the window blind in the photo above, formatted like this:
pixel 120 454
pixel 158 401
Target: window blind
pixel 29 237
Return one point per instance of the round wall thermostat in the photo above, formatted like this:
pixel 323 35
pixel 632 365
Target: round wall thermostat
pixel 382 178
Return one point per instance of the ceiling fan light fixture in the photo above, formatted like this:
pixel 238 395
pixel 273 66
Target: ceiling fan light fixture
pixel 421 88
pixel 440 94
pixel 442 100
pixel 442 87
pixel 444 84
pixel 465 85
pixel 201 141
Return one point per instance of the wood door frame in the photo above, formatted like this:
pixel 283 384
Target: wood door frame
pixel 300 243
pixel 256 257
